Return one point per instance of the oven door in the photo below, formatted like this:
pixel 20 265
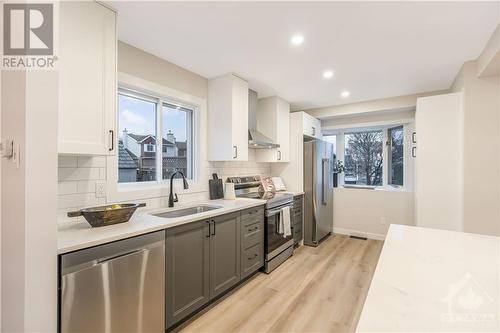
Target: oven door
pixel 275 243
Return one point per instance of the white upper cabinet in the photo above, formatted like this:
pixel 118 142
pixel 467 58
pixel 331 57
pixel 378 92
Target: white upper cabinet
pixel 87 79
pixel 311 126
pixel 273 120
pixel 228 119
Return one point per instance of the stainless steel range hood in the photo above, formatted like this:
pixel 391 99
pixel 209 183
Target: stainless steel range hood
pixel 256 139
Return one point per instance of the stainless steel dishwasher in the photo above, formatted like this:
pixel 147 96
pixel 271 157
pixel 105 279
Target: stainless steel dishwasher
pixel 115 287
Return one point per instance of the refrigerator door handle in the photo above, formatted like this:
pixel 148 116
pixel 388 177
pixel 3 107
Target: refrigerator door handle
pixel 324 179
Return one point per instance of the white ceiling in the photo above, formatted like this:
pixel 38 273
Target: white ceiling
pixel 376 50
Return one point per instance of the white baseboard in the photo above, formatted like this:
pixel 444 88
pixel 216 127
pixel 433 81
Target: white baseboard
pixel 358 233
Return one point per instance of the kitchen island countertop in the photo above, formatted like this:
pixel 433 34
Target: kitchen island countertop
pixel 434 280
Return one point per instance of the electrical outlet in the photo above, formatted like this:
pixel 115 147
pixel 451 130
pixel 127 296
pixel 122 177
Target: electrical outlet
pixel 383 221
pixel 100 189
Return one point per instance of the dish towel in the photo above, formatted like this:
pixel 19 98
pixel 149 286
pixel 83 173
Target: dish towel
pixel 285 222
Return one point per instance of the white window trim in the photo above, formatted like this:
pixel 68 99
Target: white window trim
pixel 408 161
pixel 159 188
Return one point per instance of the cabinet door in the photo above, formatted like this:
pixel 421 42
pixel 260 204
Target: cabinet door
pixel 227 119
pixel 311 126
pixel 240 119
pixel 87 78
pixel 273 120
pixel 187 270
pixel 283 130
pixel 224 253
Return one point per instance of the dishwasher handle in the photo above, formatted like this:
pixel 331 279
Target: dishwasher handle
pixel 119 255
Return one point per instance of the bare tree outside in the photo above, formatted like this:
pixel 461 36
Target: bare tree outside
pixel 363 158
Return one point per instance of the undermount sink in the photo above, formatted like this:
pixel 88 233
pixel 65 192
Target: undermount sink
pixel 186 211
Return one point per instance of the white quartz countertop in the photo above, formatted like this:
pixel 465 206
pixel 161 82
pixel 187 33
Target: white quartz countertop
pixel 80 235
pixel 430 280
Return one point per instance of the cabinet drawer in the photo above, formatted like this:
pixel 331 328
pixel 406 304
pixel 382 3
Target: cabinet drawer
pixel 252 215
pixel 252 234
pixel 252 259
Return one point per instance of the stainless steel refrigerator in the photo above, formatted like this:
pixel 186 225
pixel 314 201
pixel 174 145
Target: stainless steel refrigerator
pixel 318 188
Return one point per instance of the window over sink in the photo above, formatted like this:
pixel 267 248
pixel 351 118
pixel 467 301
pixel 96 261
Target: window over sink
pixel 142 119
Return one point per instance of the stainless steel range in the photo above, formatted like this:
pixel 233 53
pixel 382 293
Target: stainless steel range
pixel 277 248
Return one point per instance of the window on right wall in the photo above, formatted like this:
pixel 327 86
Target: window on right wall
pixel 375 156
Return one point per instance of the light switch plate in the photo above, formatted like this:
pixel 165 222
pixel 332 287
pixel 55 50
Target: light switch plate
pixel 7 148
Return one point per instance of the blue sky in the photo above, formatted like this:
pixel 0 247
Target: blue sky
pixel 138 116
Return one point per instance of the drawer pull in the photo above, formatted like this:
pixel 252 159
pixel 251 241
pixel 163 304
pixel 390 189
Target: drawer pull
pixel 254 256
pixel 253 229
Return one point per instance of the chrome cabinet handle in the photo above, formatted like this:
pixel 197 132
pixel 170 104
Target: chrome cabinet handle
pixel 213 232
pixel 414 152
pixel 235 151
pixel 279 155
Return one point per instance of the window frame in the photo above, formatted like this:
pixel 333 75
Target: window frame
pixel 408 161
pixel 161 102
pixel 389 155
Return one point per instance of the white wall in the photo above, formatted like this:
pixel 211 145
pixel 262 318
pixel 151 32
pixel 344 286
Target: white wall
pixel 29 211
pixel 368 213
pixel 439 187
pixel 481 135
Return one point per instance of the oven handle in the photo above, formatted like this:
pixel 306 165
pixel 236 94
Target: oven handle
pixel 275 211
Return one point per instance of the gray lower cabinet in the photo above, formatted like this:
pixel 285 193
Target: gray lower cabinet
pixel 224 253
pixel 187 270
pixel 203 260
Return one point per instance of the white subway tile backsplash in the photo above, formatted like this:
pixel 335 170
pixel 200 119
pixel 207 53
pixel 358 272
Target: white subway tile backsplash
pixel 91 161
pixel 78 176
pixel 68 161
pixel 77 200
pixel 84 186
pixel 102 173
pixel 67 188
pixel 68 174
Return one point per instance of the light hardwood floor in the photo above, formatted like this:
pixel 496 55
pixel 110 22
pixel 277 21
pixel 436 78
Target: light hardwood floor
pixel 317 290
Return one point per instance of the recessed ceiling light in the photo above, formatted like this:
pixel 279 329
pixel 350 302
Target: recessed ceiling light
pixel 297 40
pixel 345 93
pixel 327 74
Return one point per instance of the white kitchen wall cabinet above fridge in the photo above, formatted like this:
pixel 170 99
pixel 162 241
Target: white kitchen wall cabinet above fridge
pixel 273 120
pixel 311 126
pixel 87 79
pixel 228 119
